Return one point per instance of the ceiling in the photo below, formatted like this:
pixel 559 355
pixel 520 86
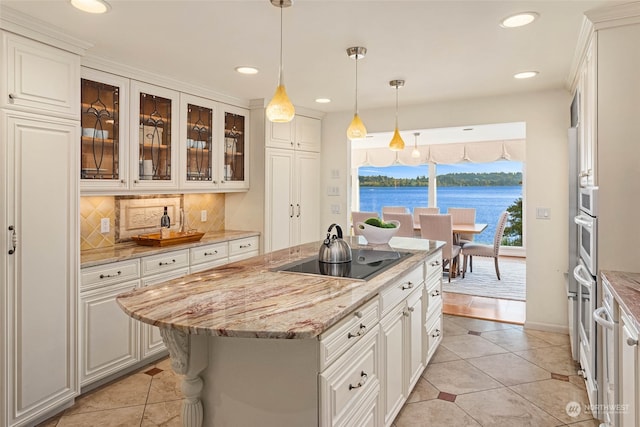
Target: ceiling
pixel 443 49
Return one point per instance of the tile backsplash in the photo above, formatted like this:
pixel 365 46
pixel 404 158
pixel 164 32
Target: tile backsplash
pixel 133 215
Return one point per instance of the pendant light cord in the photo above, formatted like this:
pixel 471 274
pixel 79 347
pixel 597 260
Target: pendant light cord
pixel 397 106
pixel 280 72
pixel 356 83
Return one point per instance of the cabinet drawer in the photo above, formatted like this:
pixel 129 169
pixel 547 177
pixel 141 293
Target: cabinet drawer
pixel 433 265
pixel 347 332
pixel 434 294
pixel 395 293
pixel 165 262
pixel 347 382
pixel 243 246
pixel 433 335
pixel 208 253
pixel 107 274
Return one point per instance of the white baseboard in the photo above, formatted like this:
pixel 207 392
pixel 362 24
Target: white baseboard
pixel 547 327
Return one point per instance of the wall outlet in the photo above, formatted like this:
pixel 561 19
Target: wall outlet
pixel 335 208
pixel 203 215
pixel 104 225
pixel 333 190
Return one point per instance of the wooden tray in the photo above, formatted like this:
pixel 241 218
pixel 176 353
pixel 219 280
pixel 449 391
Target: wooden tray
pixel 174 238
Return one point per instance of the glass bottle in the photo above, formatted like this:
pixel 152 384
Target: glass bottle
pixel 165 224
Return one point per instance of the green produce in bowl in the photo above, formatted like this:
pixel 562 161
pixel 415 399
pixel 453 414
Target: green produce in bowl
pixel 377 222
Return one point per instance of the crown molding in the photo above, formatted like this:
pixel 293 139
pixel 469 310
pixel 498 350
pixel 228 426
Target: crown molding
pixel 614 16
pixel 584 37
pixel 17 22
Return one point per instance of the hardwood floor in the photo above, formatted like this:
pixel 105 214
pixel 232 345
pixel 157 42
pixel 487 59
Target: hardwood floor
pixel 502 310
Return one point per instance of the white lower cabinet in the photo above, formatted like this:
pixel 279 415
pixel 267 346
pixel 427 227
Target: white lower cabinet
pixel 629 372
pixel 109 337
pixel 240 249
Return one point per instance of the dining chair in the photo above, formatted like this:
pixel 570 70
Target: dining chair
pixel 394 209
pixel 492 251
pixel 440 227
pixel 463 216
pixel 360 216
pixel 423 211
pixel 406 223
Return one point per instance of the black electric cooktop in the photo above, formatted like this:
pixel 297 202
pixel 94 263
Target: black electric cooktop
pixel 365 264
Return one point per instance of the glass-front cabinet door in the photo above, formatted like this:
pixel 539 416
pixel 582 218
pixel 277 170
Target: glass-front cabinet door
pixel 153 137
pixel 198 157
pixel 234 150
pixel 103 155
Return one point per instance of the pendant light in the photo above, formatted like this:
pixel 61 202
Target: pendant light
pixel 356 129
pixel 415 153
pixel 280 109
pixel 396 144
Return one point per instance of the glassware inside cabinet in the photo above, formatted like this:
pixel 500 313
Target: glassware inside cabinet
pixel 234 147
pixel 155 138
pixel 199 140
pixel 100 117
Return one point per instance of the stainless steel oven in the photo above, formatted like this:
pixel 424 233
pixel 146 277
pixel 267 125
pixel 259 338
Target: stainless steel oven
pixel 587 241
pixel 587 331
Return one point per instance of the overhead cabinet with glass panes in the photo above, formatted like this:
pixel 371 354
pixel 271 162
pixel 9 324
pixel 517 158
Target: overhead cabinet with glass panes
pixel 141 137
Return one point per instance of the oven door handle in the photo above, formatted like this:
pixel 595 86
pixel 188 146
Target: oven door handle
pixel 598 317
pixel 579 278
pixel 583 222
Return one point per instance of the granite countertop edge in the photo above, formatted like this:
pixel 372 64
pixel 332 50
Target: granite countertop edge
pixel 626 290
pixel 131 250
pixel 248 299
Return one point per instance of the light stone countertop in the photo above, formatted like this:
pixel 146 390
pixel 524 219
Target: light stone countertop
pixel 249 299
pixel 125 251
pixel 626 290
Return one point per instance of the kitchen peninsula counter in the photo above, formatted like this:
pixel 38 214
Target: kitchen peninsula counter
pixel 263 347
pixel 249 299
pixel 626 290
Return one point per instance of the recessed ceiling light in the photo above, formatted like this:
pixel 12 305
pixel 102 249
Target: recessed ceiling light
pixel 525 74
pixel 323 100
pixel 519 20
pixel 247 70
pixel 91 6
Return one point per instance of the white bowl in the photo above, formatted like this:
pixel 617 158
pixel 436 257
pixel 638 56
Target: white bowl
pixel 377 235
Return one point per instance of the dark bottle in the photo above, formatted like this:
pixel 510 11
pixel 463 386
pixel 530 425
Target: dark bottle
pixel 165 221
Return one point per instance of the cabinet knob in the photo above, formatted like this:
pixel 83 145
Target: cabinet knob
pixel 358 314
pixel 632 342
pixel 122 181
pixel 12 96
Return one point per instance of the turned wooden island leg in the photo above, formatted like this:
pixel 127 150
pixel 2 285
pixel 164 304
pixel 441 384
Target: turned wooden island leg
pixel 189 358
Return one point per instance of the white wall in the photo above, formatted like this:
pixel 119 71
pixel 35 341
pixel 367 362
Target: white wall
pixel 546 115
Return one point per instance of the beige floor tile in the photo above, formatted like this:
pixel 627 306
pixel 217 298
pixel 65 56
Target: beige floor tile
pixel 423 391
pixel 479 325
pixel 433 413
pixel 51 422
pixel 443 355
pixel 556 359
pixel 119 417
pixel 466 346
pixel 451 328
pixel 514 339
pixel 458 377
pixel 509 369
pixel 165 414
pixel 578 381
pixel 504 408
pixel 553 396
pixel 165 386
pixel 129 391
pixel 589 423
pixel 550 337
pixel 164 364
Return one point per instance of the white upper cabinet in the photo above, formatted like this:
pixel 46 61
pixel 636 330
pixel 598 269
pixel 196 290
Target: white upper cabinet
pixel 234 148
pixel 302 133
pixel 104 117
pixel 39 78
pixel 587 87
pixel 153 137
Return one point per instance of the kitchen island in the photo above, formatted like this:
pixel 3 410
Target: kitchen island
pixel 263 347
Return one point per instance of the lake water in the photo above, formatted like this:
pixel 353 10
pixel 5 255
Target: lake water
pixel 488 201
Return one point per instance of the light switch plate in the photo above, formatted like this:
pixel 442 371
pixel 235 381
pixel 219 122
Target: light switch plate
pixel 203 215
pixel 104 225
pixel 543 213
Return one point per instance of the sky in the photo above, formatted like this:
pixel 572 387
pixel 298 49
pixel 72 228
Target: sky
pixel 422 170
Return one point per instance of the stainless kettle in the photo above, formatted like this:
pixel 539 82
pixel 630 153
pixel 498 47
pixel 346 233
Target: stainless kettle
pixel 334 250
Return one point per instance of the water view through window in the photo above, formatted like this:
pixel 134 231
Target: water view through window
pixel 490 188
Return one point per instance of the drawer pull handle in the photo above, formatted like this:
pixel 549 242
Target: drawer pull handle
pixel 210 253
pixel 435 293
pixel 361 332
pixel 631 342
pixel 245 246
pixel 435 263
pixel 409 285
pixel 14 240
pixel 106 276
pixel 362 382
pixel 358 314
pixel 173 261
pixel 436 334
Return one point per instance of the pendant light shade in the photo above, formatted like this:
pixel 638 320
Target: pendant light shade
pixel 415 153
pixel 356 129
pixel 280 109
pixel 396 144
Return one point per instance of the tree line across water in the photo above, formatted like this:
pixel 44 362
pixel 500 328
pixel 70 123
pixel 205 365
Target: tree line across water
pixel 448 180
